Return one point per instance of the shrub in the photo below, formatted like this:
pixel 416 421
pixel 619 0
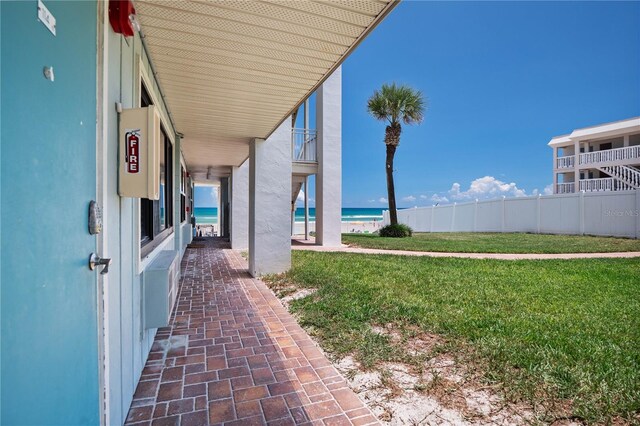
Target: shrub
pixel 396 231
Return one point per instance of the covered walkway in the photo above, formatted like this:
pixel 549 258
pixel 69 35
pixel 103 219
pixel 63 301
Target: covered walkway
pixel 234 355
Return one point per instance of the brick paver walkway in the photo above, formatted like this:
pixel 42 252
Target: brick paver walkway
pixel 233 355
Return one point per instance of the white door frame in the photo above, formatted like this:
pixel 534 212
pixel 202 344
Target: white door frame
pixel 102 61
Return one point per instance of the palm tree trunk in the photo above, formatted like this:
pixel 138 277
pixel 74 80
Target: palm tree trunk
pixel 391 191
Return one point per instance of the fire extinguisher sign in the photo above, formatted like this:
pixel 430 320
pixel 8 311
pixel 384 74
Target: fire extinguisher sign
pixel 132 150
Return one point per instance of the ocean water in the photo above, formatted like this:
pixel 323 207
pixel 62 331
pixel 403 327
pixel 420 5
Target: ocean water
pixel 209 215
pixel 206 215
pixel 349 214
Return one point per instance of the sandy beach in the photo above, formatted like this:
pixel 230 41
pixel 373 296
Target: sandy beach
pixel 359 227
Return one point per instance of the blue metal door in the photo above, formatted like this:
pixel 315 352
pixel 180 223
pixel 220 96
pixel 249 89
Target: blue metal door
pixel 50 359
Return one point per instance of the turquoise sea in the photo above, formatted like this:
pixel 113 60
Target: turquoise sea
pixel 209 215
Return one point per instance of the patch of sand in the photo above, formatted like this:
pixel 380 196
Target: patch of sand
pixel 299 294
pixel 439 391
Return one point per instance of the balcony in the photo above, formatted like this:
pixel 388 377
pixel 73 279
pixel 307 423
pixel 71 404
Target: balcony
pixel 567 162
pixel 565 188
pixel 596 185
pixel 610 155
pixel 304 146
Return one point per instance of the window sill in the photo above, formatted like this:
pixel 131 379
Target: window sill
pixel 151 245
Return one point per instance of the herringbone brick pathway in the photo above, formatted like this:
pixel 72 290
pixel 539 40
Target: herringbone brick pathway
pixel 233 355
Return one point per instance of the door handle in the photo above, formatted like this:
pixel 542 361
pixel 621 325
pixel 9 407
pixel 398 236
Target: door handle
pixel 95 261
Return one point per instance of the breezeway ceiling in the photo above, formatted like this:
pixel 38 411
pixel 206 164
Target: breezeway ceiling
pixel 233 70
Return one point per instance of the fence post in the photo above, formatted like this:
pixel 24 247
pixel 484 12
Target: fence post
pixel 433 213
pixel 538 213
pixel 637 213
pixel 453 218
pixel 581 209
pixel 475 217
pixel 503 213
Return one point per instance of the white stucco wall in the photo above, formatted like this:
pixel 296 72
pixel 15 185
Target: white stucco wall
pixel 329 178
pixel 240 207
pixel 270 202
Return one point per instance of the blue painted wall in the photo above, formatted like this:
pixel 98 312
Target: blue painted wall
pixel 49 341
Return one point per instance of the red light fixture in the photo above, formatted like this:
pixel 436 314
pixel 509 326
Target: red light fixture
pixel 122 17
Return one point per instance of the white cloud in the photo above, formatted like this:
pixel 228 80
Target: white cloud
pixel 548 190
pixel 439 198
pixel 300 199
pixel 214 193
pixel 382 200
pixel 409 198
pixel 485 188
pixel 424 197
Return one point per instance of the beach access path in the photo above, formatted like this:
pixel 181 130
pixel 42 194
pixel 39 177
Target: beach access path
pixel 301 244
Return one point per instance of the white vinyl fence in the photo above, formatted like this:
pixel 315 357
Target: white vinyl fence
pixel 591 213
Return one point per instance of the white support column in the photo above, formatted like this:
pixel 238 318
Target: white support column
pixel 306 114
pixel 306 203
pixel 240 207
pixel 270 202
pixel 219 212
pixel 576 166
pixel 555 174
pixel 177 206
pixel 329 178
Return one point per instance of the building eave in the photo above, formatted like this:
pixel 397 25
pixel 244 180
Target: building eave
pixel 231 71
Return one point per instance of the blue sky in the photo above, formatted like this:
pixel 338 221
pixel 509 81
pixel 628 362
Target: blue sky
pixel 501 79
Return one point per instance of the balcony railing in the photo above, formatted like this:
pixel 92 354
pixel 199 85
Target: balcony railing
pixel 565 188
pixel 565 162
pixel 610 155
pixel 304 145
pixel 600 184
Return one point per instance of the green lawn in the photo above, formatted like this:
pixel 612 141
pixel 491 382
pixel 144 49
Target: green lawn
pixel 549 331
pixel 494 243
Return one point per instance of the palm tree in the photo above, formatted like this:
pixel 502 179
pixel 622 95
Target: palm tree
pixel 395 104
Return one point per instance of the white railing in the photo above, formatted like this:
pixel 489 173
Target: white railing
pixel 601 184
pixel 303 145
pixel 565 188
pixel 565 162
pixel 611 155
pixel 627 176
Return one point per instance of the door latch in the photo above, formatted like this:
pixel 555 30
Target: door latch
pixel 95 261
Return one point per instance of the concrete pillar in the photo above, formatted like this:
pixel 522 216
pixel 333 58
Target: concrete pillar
pixel 270 202
pixel 555 165
pixel 177 205
pixel 329 178
pixel 306 114
pixel 240 207
pixel 219 224
pixel 223 207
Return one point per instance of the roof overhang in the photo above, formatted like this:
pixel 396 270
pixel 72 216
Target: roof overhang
pixel 234 70
pixel 616 128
